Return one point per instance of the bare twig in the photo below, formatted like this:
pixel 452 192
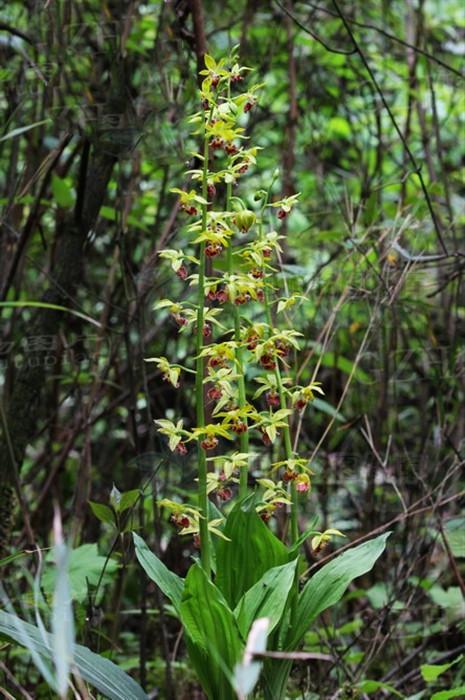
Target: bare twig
pixel 392 37
pixel 412 158
pixel 317 38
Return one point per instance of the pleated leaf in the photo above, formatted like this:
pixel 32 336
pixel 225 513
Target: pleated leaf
pixel 169 583
pixel 329 584
pixel 267 598
pixel 213 640
pixel 101 673
pixel 252 551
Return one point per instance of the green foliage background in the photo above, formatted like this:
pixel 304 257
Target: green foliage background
pixel 94 98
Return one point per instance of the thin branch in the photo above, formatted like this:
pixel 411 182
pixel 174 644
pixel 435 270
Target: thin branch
pixel 312 34
pixel 16 32
pixel 393 37
pixel 412 158
pixel 413 510
pixel 294 656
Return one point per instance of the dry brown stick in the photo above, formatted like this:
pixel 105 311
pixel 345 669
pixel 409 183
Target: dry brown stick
pixel 346 387
pixel 413 160
pixel 294 656
pixel 392 37
pixel 382 528
pixel 199 34
pixel 15 469
pixel 46 168
pixel 14 681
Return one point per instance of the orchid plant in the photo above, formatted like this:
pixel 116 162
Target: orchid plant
pixel 245 395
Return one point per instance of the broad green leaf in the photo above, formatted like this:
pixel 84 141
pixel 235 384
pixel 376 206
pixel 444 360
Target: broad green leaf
pixel 324 589
pixel 325 407
pixel 112 214
pixel 101 673
pixel 128 499
pixel 331 359
pixel 430 672
pixel 329 584
pixel 447 694
pixel 274 678
pixel 62 192
pixel 267 598
pixel 451 599
pixel 379 596
pixel 170 584
pixel 455 533
pixel 214 641
pixel 252 551
pixel 104 513
pixel 369 686
pixel 85 569
pixel 338 126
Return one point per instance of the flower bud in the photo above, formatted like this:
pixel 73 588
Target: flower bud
pixel 272 399
pixel 182 272
pixel 302 483
pixel 266 438
pixel 239 427
pixel 214 393
pixel 289 475
pixel 181 448
pixel 300 404
pixel 245 220
pixel 231 149
pixel 209 443
pixel 180 320
pixel 222 296
pixel 213 249
pixel 267 361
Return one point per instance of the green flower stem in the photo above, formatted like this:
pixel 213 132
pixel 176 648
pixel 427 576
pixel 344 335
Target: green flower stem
pixel 289 454
pixel 199 395
pixel 282 398
pixel 244 437
pixel 286 431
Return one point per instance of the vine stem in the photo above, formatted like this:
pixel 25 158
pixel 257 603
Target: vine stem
pixel 199 394
pixel 244 437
